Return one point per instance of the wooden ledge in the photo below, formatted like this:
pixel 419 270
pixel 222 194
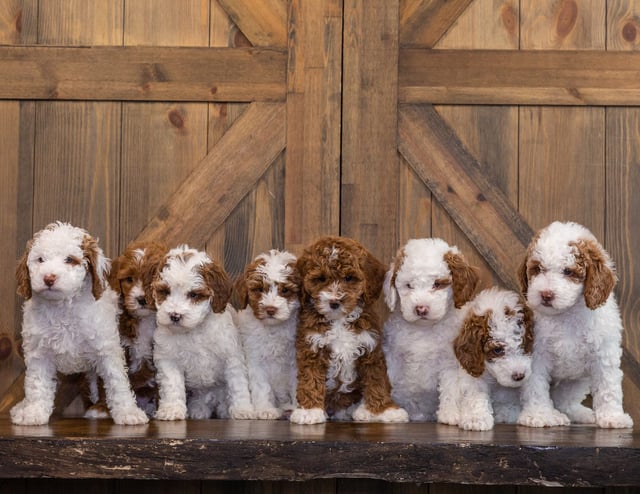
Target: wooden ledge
pixel 278 450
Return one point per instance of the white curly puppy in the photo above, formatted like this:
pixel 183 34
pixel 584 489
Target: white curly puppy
pixel 426 286
pixel 568 279
pixel 196 344
pixel 494 350
pixel 268 303
pixel 70 323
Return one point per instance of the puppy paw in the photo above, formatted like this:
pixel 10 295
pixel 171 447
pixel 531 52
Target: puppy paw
pixel 199 412
pixel 241 413
pixel 617 420
pixel 129 416
pixel 171 411
pixel 268 413
pixel 449 417
pixel 308 416
pixel 479 423
pixel 393 414
pixel 96 412
pixel 29 414
pixel 545 418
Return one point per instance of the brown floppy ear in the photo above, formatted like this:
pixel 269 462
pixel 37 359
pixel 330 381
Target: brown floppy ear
pixel 97 265
pixel 303 267
pixel 522 276
pixel 114 283
pixel 218 281
pixel 375 272
pixel 241 291
pixel 600 279
pixel 465 278
pixel 22 276
pixel 527 341
pixel 469 343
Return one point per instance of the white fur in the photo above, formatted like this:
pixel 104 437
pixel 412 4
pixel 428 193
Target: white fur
pixel 65 329
pixel 200 353
pixel 269 343
pixel 577 350
pixel 420 360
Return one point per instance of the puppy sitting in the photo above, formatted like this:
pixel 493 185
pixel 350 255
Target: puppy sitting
pixel 196 345
pixel 425 287
pixel 268 292
pixel 341 367
pixel 494 351
pixel 568 279
pixel 70 323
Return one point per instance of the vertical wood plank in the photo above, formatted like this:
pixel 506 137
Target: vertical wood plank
pixel 369 207
pixel 18 21
pixel 312 169
pixel 80 22
pixel 623 25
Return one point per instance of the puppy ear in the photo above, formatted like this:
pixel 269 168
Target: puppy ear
pixel 465 278
pixel 218 281
pixel 527 341
pixel 303 266
pixel 114 283
pixel 522 276
pixel 22 275
pixel 389 288
pixel 600 278
pixel 97 265
pixel 375 272
pixel 469 343
pixel 241 291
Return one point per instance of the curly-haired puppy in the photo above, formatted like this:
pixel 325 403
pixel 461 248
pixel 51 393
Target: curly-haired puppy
pixel 568 279
pixel 268 303
pixel 494 349
pixel 425 287
pixel 70 323
pixel 341 367
pixel 197 348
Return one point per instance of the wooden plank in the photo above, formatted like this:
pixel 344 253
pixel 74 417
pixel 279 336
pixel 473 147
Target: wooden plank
pixel 524 77
pixel 479 208
pixel 274 450
pixel 18 22
pixel 80 22
pixel 205 199
pixel 369 193
pixel 312 170
pixel 623 25
pixel 263 22
pixel 141 73
pixel 424 22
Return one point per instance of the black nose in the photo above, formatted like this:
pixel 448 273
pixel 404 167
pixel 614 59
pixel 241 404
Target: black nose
pixel 175 317
pixel 517 376
pixel 334 305
pixel 142 301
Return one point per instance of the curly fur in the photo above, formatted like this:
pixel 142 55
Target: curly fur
pixel 341 367
pixel 69 324
pixel 568 279
pixel 425 287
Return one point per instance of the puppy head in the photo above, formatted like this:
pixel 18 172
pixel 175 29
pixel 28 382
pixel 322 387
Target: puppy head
pixel 188 288
pixel 132 274
pixel 338 276
pixel 60 262
pixel 564 265
pixel 270 285
pixel 497 337
pixel 428 277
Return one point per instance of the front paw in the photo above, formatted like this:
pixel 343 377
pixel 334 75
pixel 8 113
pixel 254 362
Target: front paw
pixel 171 411
pixel 241 413
pixel 129 416
pixel 30 414
pixel 308 416
pixel 269 413
pixel 618 420
pixel 543 418
pixel 447 416
pixel 392 414
pixel 476 423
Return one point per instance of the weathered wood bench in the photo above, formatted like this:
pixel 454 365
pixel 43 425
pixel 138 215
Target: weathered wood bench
pixel 280 451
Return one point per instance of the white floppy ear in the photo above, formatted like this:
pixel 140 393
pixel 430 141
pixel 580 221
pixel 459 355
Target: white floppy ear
pixel 389 288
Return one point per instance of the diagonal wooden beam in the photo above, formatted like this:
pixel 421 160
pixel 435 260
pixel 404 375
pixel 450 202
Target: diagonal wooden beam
pixel 424 22
pixel 263 22
pixel 454 177
pixel 222 179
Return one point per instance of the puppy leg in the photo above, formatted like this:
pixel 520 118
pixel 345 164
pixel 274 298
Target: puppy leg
pixel 261 393
pixel 537 407
pixel 477 413
pixel 39 388
pixel 311 388
pixel 200 403
pixel 568 397
pixel 173 400
pixel 451 380
pixel 607 397
pixel 240 406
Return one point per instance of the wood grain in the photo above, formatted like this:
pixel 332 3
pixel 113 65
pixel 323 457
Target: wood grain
pixel 263 22
pixel 424 22
pixel 623 25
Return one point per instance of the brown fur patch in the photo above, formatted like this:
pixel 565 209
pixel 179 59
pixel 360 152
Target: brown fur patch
pixel 465 278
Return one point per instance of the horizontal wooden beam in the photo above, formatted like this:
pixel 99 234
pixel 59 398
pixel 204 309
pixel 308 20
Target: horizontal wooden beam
pixel 142 73
pixel 517 77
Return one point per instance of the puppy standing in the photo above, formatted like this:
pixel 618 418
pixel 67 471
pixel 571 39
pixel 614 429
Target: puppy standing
pixel 493 349
pixel 568 279
pixel 425 287
pixel 196 345
pixel 268 293
pixel 339 357
pixel 70 323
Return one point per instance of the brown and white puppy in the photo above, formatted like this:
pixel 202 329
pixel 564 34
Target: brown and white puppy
pixel 341 366
pixel 494 349
pixel 568 280
pixel 268 303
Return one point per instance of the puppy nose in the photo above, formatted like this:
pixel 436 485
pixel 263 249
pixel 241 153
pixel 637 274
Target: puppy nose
pixel 422 310
pixel 50 279
pixel 334 304
pixel 271 311
pixel 141 301
pixel 175 317
pixel 517 376
pixel 547 296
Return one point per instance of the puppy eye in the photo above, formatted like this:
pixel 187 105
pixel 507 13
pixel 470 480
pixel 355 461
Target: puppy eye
pixel 440 284
pixel 349 278
pixel 68 260
pixel 409 286
pixel 40 260
pixel 284 290
pixel 535 270
pixel 257 289
pixel 497 351
pixel 568 272
pixel 192 295
pixel 319 279
pixel 128 279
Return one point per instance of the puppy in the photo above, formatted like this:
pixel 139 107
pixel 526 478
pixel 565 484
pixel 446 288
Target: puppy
pixel 268 303
pixel 69 324
pixel 425 287
pixel 196 344
pixel 341 367
pixel 493 349
pixel 568 279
